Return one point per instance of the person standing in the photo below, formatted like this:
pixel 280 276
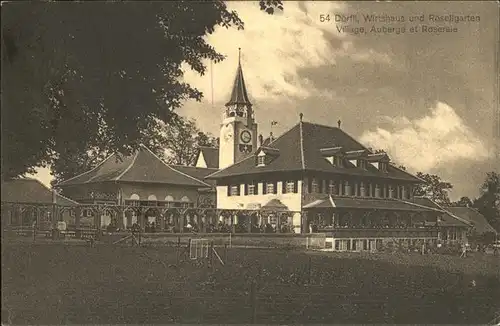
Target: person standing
pixel 464 251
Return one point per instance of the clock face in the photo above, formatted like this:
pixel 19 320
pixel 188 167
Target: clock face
pixel 246 136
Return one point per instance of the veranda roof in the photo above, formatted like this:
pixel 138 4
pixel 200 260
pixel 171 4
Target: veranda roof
pixel 367 203
pixel 32 191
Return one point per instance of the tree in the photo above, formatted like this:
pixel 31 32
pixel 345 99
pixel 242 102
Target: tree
pixel 463 202
pixel 488 203
pixel 182 141
pixel 70 161
pixel 75 74
pixel 434 188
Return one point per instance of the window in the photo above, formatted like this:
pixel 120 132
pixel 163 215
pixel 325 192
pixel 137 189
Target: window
pixel 290 187
pixel 314 185
pixel 234 190
pixel 270 188
pixel 261 160
pixel 347 188
pixel 362 164
pixel 337 161
pixel 332 188
pixel 383 166
pixel 251 189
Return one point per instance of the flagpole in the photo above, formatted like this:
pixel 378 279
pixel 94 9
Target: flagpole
pixel 212 81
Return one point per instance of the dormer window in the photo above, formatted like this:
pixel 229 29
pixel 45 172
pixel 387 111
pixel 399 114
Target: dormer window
pixel 314 185
pixel 382 166
pixel 362 164
pixel 332 188
pixel 261 160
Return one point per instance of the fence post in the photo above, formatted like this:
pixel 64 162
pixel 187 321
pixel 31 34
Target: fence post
pixel 253 298
pixel 309 271
pixel 212 255
pixel 177 256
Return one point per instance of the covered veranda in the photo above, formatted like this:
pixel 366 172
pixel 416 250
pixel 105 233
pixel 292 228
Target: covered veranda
pixel 273 218
pixel 357 224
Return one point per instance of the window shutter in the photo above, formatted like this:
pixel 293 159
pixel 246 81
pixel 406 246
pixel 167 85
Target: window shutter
pixel 264 188
pixel 283 187
pixel 229 190
pixel 246 189
pixel 275 187
pixel 309 185
pixel 320 186
pixel 296 186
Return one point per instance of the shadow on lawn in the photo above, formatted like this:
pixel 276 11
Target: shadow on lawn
pixel 57 284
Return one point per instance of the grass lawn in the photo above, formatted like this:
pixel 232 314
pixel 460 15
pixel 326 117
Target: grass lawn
pixel 76 284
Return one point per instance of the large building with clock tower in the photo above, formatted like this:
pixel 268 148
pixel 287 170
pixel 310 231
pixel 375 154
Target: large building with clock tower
pixel 238 133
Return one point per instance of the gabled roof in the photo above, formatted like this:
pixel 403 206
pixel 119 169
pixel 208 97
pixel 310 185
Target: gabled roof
pixel 210 155
pixel 300 150
pixel 477 219
pixel 239 93
pixel 143 166
pixel 32 191
pixel 196 172
pixel 447 218
pixel 275 205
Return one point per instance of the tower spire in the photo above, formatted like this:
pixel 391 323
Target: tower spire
pixel 239 95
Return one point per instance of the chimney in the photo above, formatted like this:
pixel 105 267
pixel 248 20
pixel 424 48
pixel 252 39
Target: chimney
pixel 339 123
pixel 261 140
pixel 301 116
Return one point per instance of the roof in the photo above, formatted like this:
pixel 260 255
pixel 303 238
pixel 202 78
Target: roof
pixel 196 172
pixel 477 219
pixel 447 218
pixel 32 191
pixel 239 94
pixel 275 204
pixel 142 166
pixel 211 156
pixel 367 203
pixel 300 150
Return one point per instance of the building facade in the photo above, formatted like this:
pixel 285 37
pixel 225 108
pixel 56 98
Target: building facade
pixel 142 187
pixel 27 202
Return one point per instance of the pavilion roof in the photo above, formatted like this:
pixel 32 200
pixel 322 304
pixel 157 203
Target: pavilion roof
pixel 143 166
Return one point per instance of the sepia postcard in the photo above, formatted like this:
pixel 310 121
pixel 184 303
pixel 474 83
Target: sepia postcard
pixel 250 162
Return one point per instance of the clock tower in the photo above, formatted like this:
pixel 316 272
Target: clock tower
pixel 238 133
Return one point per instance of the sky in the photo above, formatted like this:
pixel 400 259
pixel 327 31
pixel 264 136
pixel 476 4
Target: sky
pixel 429 99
